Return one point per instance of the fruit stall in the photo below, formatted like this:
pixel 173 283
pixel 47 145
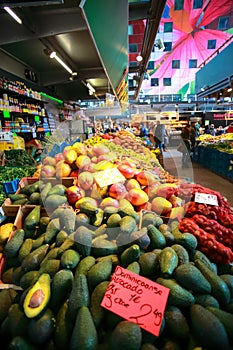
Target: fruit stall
pixel 216 154
pixel 104 249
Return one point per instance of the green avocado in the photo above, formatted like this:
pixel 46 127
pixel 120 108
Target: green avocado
pixel 38 296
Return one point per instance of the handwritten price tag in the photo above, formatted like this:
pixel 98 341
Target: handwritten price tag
pixel 136 299
pixel 206 198
pixel 108 177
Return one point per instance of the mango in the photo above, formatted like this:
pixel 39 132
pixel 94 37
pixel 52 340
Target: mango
pixel 137 197
pixel 161 205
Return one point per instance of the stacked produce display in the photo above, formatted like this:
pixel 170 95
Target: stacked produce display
pixel 97 206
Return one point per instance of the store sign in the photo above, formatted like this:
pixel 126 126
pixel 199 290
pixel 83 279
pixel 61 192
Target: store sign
pixel 108 177
pixel 136 299
pixel 206 198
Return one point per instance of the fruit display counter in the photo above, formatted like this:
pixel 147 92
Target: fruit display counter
pixel 109 251
pixel 216 154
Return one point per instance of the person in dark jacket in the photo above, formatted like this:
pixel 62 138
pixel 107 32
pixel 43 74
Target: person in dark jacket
pixel 159 134
pixel 185 138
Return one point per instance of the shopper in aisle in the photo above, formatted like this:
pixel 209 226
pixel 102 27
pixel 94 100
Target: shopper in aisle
pixel 151 133
pixel 186 145
pixel 159 135
pixel 192 138
pixel 212 130
pixel 143 130
pixel 165 139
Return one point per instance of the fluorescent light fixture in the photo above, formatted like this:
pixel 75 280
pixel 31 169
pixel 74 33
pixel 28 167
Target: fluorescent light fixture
pixel 90 87
pixel 229 89
pixel 12 14
pixel 54 55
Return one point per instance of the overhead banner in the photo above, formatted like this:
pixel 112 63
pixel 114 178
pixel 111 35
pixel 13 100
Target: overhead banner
pixel 108 25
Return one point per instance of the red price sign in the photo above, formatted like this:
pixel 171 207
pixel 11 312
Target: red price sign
pixel 137 299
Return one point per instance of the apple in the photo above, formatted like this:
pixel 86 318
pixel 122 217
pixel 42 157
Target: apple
pixel 59 156
pixel 117 191
pixel 74 193
pixel 49 161
pixel 47 171
pixel 99 149
pixel 85 180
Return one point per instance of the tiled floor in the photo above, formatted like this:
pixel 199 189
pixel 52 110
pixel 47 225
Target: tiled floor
pixel 197 173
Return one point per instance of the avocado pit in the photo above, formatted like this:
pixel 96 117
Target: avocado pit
pixel 36 298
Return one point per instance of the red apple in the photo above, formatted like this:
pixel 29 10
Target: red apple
pixel 74 193
pixel 85 180
pixel 117 191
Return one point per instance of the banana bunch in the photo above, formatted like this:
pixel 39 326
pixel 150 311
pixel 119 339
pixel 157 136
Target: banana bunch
pixel 93 140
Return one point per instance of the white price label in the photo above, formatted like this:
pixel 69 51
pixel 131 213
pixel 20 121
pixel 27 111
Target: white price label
pixel 206 198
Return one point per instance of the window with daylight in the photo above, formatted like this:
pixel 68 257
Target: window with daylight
pixel 176 64
pixel 223 23
pixel 192 63
pixel 133 48
pixel 130 29
pixel 154 82
pixel 211 44
pixel 167 82
pixel 197 4
pixel 167 46
pixel 168 27
pixel 151 65
pixel 179 5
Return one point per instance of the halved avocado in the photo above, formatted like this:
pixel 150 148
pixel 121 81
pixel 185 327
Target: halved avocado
pixel 38 296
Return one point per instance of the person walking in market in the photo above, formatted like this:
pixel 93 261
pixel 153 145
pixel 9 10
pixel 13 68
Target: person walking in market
pixel 186 146
pixel 159 136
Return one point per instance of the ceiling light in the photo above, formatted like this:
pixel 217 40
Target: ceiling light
pixel 53 54
pixel 12 14
pixel 90 87
pixel 229 89
pixel 74 74
pixel 139 58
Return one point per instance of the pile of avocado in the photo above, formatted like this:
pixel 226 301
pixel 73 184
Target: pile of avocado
pixel 62 265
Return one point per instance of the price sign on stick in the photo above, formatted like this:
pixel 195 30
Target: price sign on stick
pixel 108 177
pixel 136 299
pixel 206 198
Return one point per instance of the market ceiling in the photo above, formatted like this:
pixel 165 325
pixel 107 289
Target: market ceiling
pixel 61 27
